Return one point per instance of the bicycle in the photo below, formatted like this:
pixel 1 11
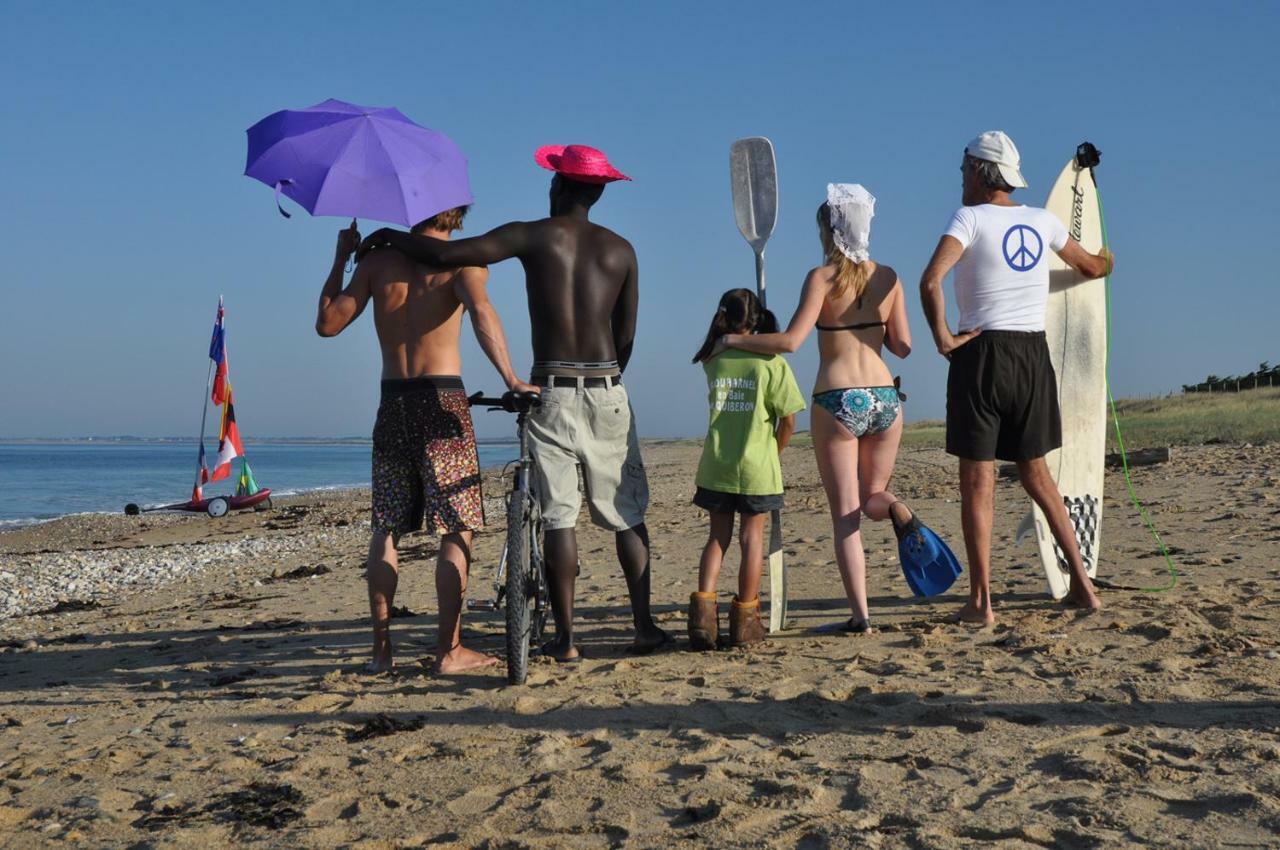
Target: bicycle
pixel 521 582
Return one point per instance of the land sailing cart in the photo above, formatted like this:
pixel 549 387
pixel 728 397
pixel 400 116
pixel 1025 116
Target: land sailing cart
pixel 249 494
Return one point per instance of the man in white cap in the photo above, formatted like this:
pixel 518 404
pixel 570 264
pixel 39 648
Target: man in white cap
pixel 1002 396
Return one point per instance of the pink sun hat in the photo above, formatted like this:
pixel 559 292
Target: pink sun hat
pixel 578 162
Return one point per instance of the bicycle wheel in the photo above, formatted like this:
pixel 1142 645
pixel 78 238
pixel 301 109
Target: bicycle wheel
pixel 517 590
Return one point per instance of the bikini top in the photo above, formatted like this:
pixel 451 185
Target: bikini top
pixel 859 326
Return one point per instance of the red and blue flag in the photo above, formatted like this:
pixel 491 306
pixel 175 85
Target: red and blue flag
pixel 218 354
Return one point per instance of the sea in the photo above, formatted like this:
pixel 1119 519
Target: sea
pixel 44 480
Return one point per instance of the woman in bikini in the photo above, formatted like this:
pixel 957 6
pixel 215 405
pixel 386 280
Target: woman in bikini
pixel 857 306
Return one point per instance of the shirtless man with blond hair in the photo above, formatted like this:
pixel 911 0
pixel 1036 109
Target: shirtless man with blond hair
pixel 425 467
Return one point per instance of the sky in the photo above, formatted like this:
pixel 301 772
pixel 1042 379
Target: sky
pixel 126 213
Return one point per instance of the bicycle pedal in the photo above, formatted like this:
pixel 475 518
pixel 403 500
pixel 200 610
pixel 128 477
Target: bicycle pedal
pixel 482 605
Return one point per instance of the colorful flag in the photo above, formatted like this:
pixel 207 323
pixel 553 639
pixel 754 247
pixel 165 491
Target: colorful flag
pixel 229 445
pixel 204 467
pixel 248 484
pixel 218 354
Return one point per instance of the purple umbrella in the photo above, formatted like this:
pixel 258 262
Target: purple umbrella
pixel 337 158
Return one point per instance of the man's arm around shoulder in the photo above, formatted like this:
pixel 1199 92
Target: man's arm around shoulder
pixel 469 287
pixel 502 243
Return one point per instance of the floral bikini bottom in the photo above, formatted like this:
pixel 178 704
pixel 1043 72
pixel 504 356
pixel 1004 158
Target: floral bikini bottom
pixel 863 410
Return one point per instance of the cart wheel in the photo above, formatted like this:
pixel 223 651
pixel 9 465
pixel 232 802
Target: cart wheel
pixel 132 510
pixel 218 507
pixel 263 505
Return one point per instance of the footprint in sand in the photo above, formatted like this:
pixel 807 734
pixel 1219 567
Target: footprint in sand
pixel 789 689
pixel 683 772
pixel 768 828
pixel 480 799
pixel 341 806
pixel 783 794
pixel 614 667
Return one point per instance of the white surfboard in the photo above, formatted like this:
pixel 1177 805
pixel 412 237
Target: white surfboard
pixel 1076 328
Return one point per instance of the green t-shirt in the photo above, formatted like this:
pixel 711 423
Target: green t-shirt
pixel 747 393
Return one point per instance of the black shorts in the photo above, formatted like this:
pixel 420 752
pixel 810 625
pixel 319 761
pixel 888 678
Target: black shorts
pixel 1002 398
pixel 736 503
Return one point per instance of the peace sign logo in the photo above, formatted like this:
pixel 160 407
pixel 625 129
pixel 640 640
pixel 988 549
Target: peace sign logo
pixel 1022 248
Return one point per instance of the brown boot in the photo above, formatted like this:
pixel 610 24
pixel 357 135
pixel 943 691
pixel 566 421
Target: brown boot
pixel 704 621
pixel 745 627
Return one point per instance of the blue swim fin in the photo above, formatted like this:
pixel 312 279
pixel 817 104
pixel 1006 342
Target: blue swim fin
pixel 928 565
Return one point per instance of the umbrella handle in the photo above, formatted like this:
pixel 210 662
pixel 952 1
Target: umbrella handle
pixel 280 184
pixel 350 266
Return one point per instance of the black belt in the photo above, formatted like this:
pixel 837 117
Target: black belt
pixel 421 384
pixel 598 382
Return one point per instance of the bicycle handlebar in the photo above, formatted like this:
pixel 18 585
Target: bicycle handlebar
pixel 511 401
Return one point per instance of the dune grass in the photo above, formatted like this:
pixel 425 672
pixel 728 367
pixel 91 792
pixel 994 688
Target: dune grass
pixel 1190 419
pixel 925 434
pixel 1177 420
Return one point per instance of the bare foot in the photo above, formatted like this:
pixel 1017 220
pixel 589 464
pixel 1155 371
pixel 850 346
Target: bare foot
pixel 970 613
pixel 1082 598
pixel 459 659
pixel 381 663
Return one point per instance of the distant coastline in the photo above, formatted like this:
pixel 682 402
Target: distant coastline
pixel 43 479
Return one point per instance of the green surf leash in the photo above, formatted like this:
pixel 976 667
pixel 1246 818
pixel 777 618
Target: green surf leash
pixel 1115 418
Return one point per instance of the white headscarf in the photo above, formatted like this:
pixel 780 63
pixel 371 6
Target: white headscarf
pixel 852 208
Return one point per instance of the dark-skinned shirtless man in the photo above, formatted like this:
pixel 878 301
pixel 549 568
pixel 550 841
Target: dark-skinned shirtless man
pixel 424 451
pixel 582 284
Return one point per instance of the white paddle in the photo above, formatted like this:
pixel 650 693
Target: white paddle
pixel 753 172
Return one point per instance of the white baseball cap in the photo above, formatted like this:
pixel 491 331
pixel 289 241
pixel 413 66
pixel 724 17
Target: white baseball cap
pixel 995 146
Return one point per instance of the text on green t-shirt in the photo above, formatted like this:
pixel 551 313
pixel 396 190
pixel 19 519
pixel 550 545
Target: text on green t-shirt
pixel 747 394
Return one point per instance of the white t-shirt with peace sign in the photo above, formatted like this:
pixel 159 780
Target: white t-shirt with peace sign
pixel 1002 279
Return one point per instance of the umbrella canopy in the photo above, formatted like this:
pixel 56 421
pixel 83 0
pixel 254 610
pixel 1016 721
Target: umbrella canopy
pixel 337 158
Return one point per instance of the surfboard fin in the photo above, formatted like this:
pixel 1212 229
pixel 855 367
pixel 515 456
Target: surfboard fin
pixel 1026 528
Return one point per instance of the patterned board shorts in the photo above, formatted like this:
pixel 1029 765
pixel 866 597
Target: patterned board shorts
pixel 863 410
pixel 425 465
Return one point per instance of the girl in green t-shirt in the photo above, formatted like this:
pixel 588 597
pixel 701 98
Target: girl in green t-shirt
pixel 753 401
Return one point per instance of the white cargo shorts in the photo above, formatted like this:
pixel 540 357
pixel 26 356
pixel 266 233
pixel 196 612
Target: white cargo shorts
pixel 592 428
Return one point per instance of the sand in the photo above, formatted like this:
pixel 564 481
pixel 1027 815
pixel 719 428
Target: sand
pixel 227 707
